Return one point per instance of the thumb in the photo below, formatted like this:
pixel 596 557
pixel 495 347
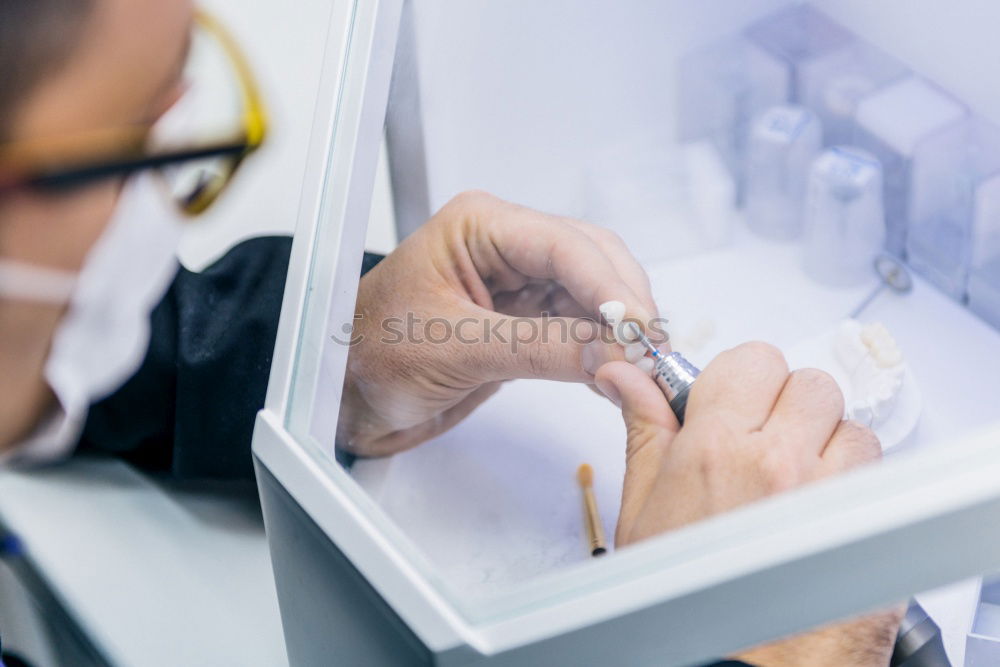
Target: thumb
pixel 651 426
pixel 548 348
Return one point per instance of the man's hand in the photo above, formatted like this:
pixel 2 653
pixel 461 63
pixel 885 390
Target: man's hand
pixel 457 309
pixel 751 429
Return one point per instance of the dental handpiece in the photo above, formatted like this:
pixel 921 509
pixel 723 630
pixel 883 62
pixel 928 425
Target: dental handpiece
pixel 674 374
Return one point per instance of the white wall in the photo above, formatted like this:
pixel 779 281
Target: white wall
pixel 955 43
pixel 516 95
pixel 285 44
pixel 285 49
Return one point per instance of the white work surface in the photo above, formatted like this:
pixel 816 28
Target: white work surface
pixel 154 575
pixel 494 502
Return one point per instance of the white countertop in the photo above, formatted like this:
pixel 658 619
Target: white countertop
pixel 153 574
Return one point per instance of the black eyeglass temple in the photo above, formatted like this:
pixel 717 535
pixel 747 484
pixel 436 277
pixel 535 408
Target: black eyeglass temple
pixel 78 176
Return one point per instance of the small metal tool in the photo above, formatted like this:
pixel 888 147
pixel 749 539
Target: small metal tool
pixel 893 276
pixel 674 374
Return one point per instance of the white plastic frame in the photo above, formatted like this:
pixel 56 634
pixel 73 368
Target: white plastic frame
pixel 870 538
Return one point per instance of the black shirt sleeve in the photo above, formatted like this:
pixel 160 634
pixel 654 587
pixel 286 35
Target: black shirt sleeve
pixel 189 410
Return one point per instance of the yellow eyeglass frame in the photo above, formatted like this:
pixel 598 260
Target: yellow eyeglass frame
pixel 28 166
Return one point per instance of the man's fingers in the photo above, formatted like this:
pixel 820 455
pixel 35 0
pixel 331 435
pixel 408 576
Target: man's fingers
pixel 851 445
pixel 550 348
pixel 741 384
pixel 408 438
pixel 651 426
pixel 628 266
pixel 535 299
pixel 621 257
pixel 808 411
pixel 529 301
pixel 640 399
pixel 537 245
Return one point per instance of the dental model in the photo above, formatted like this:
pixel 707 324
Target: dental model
pixel 613 313
pixel 874 362
pixel 871 370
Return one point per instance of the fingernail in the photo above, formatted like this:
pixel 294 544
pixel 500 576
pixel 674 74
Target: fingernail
pixel 634 352
pixel 592 356
pixel 611 392
pixel 625 333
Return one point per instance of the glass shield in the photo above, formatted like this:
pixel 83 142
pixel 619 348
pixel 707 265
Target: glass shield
pixel 753 158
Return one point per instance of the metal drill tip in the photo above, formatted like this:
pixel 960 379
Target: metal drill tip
pixel 642 338
pixel 649 346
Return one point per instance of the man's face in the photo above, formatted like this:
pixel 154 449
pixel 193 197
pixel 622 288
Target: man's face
pixel 125 70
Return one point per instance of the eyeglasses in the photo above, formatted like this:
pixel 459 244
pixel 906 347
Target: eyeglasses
pixel 196 147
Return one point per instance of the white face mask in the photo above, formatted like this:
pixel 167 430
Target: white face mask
pixel 103 337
